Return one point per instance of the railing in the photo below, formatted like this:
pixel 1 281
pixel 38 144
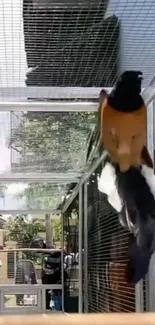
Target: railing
pixel 36 302
pixel 37 290
pixel 83 319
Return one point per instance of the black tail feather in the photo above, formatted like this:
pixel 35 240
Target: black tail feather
pixel 138 263
pixel 140 204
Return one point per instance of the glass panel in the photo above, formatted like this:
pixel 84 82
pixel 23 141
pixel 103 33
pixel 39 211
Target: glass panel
pixel 33 196
pixel 37 142
pixel 17 300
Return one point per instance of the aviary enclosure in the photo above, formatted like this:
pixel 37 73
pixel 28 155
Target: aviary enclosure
pixel 55 57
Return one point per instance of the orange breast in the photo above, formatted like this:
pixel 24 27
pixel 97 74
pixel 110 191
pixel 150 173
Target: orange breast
pixel 123 134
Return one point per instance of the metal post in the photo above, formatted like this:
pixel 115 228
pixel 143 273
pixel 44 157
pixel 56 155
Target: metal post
pixel 2 304
pixel 43 301
pixel 15 264
pixel 85 248
pixel 48 228
pixel 139 297
pixel 150 286
pixel 80 251
pixel 62 261
pixel 150 278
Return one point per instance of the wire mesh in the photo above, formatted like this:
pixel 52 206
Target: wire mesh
pixel 76 44
pixel 73 43
pixel 108 245
pixel 71 33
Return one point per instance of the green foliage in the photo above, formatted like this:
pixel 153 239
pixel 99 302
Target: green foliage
pixel 51 143
pixel 54 141
pixel 23 231
pixel 40 196
pixel 56 225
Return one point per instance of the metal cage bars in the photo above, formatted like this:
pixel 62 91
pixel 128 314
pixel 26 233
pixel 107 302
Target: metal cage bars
pixel 81 190
pixel 149 296
pixel 148 94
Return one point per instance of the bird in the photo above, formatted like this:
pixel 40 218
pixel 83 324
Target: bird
pixel 127 177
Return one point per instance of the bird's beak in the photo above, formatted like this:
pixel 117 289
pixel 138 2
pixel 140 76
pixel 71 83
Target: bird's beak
pixel 124 153
pixel 124 149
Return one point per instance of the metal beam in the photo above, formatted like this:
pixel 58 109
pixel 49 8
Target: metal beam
pixel 28 249
pixel 22 93
pixel 11 288
pixel 20 103
pixel 53 106
pixel 30 211
pixel 19 99
pixel 55 178
pixel 90 169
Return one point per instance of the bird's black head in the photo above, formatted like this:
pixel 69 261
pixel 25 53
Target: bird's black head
pixel 125 96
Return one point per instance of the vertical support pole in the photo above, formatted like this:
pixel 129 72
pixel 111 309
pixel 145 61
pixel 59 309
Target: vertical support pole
pixel 62 261
pixel 150 129
pixel 150 278
pixel 15 263
pixel 139 297
pixel 80 251
pixel 2 304
pixel 48 228
pixel 85 248
pixel 43 300
pixel 150 286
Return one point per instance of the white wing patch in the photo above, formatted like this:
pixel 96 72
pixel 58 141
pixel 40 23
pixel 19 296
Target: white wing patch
pixel 107 185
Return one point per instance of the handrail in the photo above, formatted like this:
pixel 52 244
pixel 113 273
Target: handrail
pixel 81 319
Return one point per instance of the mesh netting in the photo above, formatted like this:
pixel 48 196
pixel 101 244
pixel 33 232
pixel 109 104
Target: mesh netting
pixel 73 43
pixel 69 43
pixel 108 244
pixel 74 39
